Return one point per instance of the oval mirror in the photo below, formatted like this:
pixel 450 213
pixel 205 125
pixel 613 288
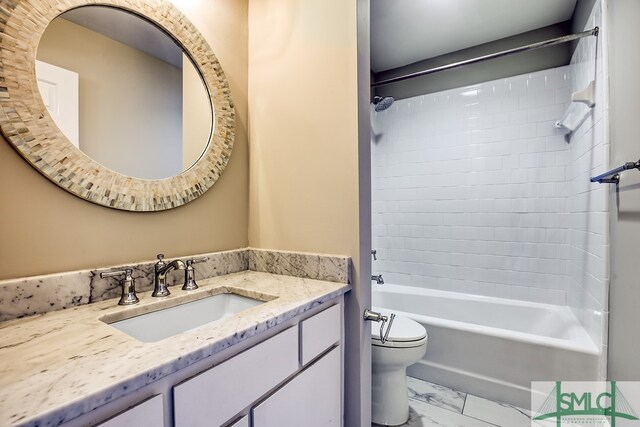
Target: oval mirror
pixel 123 92
pixel 123 104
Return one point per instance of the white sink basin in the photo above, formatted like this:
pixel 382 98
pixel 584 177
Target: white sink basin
pixel 161 324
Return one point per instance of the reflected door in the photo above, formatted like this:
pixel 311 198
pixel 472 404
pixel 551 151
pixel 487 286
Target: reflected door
pixel 59 90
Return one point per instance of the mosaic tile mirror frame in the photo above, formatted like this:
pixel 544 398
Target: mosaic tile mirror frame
pixel 29 128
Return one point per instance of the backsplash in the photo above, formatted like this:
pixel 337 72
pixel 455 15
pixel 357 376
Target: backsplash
pixel 40 294
pixel 297 264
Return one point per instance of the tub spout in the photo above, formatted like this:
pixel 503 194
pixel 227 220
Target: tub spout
pixel 379 280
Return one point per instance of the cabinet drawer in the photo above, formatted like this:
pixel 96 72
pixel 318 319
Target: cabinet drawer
pixel 215 396
pixel 319 333
pixel 148 413
pixel 312 399
pixel 242 422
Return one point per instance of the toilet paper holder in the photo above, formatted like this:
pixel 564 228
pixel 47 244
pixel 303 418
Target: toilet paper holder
pixel 375 316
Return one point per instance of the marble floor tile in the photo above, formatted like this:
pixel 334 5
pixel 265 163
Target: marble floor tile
pixel 422 414
pixel 496 413
pixel 436 395
pixel 435 405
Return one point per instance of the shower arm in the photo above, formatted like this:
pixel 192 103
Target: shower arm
pixel 533 46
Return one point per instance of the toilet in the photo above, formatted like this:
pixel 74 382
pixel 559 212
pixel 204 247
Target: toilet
pixel 405 345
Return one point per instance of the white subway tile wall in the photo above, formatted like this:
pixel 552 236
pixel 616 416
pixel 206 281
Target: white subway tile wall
pixel 475 190
pixel 470 189
pixel 588 203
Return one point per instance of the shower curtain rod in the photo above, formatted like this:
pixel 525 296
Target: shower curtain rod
pixel 533 46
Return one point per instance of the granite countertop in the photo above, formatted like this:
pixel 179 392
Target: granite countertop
pixel 61 364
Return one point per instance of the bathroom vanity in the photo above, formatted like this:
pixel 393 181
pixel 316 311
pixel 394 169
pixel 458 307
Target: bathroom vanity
pixel 276 363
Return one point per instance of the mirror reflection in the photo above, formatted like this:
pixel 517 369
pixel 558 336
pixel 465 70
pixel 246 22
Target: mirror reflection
pixel 123 92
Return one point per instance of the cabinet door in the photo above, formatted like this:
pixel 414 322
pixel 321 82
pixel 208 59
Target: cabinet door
pixel 319 333
pixel 215 396
pixel 242 422
pixel 312 399
pixel 149 413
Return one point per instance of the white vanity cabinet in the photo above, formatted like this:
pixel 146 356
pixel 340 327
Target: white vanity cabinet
pixel 311 399
pixel 242 422
pixel 216 395
pixel 278 373
pixel 320 332
pixel 149 413
pixel 289 375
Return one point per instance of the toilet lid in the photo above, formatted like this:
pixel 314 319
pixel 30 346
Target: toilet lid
pixel 403 329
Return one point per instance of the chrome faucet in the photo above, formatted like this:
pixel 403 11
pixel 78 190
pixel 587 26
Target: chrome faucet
pixel 161 269
pixel 190 274
pixel 379 280
pixel 128 283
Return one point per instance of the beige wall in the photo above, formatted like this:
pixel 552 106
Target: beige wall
pixel 130 102
pixel 44 229
pixel 303 128
pixel 304 66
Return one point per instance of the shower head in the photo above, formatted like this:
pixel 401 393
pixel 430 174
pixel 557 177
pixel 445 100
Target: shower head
pixel 381 104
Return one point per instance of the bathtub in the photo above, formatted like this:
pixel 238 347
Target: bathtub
pixel 493 347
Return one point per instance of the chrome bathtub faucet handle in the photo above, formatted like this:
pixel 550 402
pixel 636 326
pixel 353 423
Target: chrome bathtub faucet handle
pixel 374 252
pixel 128 283
pixel 190 274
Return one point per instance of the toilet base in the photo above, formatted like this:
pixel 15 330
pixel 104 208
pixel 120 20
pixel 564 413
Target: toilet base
pixel 389 362
pixel 389 396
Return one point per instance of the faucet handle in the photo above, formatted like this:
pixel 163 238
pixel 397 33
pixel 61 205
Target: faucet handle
pixel 105 274
pixel 196 260
pixel 128 295
pixel 190 274
pixel 160 262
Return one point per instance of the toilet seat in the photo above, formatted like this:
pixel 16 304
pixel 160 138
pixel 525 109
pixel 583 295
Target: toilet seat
pixel 404 333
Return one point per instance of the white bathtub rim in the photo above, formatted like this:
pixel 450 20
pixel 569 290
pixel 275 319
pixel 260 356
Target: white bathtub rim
pixel 460 295
pixel 584 345
pixel 580 341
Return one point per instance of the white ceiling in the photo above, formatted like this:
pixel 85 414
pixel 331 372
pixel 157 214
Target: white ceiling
pixel 408 31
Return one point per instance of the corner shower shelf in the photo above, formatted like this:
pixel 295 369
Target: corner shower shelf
pixel 575 114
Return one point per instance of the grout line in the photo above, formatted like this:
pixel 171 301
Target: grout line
pixel 437 406
pixel 466 395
